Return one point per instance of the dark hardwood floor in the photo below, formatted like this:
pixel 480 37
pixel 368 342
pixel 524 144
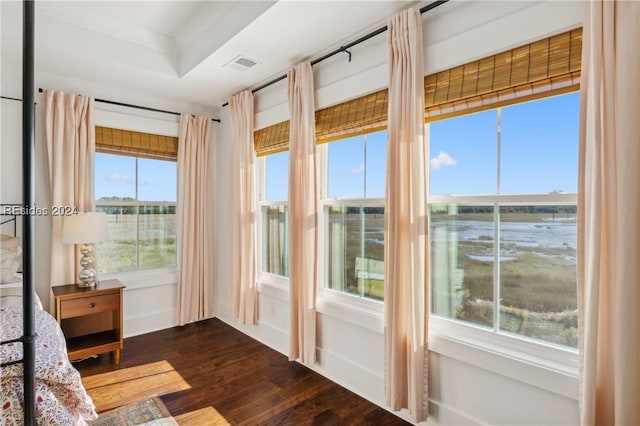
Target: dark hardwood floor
pixel 244 380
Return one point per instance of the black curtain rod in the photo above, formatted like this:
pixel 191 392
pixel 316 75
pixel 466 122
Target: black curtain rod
pixel 10 98
pixel 344 49
pixel 138 107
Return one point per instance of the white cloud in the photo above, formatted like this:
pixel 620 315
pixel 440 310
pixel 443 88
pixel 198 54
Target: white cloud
pixel 442 160
pixel 117 177
pixel 358 170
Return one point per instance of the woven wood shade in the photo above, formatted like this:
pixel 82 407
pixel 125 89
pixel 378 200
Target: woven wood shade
pixel 362 115
pixel 136 144
pixel 272 139
pixel 355 117
pixel 543 68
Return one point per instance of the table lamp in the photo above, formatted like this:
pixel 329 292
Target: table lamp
pixel 86 229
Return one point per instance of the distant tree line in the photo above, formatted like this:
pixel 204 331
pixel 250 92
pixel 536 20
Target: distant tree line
pixel 142 209
pixel 356 210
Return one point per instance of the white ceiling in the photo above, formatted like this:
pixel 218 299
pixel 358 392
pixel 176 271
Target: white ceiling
pixel 177 49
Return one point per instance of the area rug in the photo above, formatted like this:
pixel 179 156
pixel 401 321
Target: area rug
pixel 149 412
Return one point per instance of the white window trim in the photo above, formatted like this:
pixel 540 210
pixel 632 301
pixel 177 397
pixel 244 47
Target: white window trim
pixel 542 364
pixel 143 278
pixel 169 269
pixel 550 199
pixel 553 368
pixel 264 278
pixel 551 356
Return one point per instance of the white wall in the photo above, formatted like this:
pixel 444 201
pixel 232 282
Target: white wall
pixel 472 381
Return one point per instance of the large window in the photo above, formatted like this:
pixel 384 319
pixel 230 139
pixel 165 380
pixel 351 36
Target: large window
pixel 353 211
pixel 275 223
pixel 503 218
pixel 139 197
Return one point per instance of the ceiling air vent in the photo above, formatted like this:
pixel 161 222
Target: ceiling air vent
pixel 241 63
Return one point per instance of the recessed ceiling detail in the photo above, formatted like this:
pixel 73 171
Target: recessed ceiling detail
pixel 177 51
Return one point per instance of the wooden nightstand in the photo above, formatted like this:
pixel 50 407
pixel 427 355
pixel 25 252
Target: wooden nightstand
pixel 91 318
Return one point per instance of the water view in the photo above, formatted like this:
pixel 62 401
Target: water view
pixel 535 269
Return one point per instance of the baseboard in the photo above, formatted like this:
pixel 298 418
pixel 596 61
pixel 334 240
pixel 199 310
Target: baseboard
pixel 443 414
pixel 265 333
pixel 149 322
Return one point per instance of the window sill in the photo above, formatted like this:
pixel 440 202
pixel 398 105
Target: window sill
pixel 274 281
pixel 274 289
pixel 364 313
pixel 546 366
pixel 145 277
pixel 549 367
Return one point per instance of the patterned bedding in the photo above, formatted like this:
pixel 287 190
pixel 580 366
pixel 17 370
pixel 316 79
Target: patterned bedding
pixel 60 397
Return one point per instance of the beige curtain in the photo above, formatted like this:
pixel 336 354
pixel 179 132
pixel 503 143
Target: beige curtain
pixel 245 291
pixel 303 211
pixel 195 217
pixel 609 215
pixel 406 233
pixel 70 140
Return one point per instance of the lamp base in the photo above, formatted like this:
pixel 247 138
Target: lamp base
pixel 87 284
pixel 88 276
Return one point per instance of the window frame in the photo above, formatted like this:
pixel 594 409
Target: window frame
pixel 446 336
pixel 138 204
pixel 556 357
pixel 329 299
pixel 496 201
pixel 265 278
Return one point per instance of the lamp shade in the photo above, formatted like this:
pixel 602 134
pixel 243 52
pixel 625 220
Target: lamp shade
pixel 85 228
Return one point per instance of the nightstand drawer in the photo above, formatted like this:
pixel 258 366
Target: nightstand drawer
pixel 89 305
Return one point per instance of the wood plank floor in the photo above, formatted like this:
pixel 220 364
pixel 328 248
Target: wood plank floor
pixel 229 378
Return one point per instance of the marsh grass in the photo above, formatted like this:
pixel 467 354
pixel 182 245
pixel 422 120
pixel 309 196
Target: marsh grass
pixel 125 251
pixel 537 291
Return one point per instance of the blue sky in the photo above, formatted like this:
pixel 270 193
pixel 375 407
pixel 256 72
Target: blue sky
pixel 539 149
pixel 347 171
pixel 116 176
pixel 539 154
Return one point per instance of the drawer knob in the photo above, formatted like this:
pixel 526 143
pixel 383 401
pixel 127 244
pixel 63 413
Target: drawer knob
pixel 92 305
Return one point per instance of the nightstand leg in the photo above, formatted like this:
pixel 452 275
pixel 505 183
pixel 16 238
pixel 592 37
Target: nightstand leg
pixel 117 356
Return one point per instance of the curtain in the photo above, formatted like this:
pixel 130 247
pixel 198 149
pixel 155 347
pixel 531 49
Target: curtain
pixel 70 144
pixel 303 211
pixel 609 215
pixel 406 225
pixel 195 217
pixel 245 292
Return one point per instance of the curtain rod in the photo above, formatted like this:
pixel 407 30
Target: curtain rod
pixel 343 49
pixel 138 107
pixel 10 98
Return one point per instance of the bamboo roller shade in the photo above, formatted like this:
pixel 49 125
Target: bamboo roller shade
pixel 362 115
pixel 136 144
pixel 272 139
pixel 543 68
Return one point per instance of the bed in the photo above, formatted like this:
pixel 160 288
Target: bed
pixel 60 398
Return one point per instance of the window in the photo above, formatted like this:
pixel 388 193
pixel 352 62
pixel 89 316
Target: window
pixel 275 222
pixel 139 197
pixel 353 212
pixel 503 218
